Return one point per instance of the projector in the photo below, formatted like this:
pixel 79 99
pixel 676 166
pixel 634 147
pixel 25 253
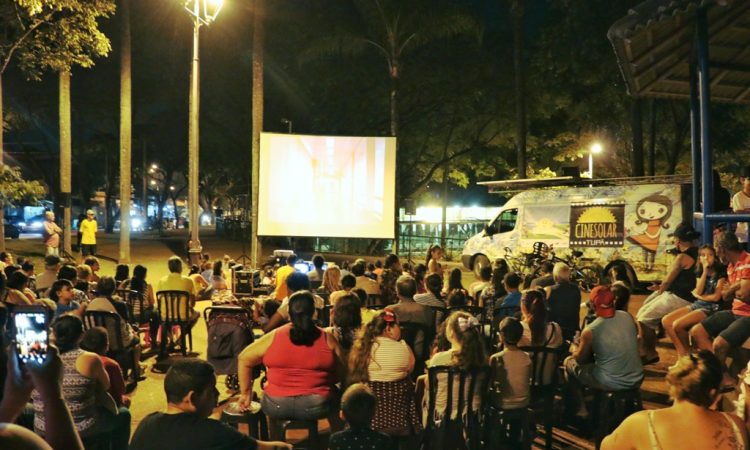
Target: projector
pixel 282 253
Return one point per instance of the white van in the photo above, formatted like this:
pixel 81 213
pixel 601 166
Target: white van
pixel 628 224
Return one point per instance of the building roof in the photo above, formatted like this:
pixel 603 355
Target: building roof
pixel 654 46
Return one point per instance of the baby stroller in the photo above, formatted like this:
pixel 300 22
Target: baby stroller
pixel 230 330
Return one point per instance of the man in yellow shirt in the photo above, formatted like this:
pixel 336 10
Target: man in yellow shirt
pixel 88 229
pixel 281 276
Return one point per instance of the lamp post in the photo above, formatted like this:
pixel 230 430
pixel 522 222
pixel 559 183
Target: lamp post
pixel 203 12
pixel 596 148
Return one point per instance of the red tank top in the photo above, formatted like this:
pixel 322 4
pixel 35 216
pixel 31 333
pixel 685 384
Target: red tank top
pixel 299 370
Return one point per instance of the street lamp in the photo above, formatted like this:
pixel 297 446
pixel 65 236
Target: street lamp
pixel 596 148
pixel 203 12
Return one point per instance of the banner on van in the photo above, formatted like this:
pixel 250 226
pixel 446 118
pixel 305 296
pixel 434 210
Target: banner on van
pixel 597 225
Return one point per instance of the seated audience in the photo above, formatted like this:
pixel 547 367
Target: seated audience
pixel 139 284
pixel 191 391
pixel 316 274
pixel 331 280
pixel 618 274
pixel 538 330
pixel 104 301
pixel 348 282
pixel 409 311
pixel 712 279
pixel 363 282
pixel 203 288
pixel 346 321
pixel 454 283
pixel 545 278
pixel 96 340
pixel 44 379
pixel 691 421
pixel 564 301
pixel 476 288
pixel 358 407
pixel 378 269
pixel 46 278
pixel 611 342
pixel 268 276
pixel 420 273
pixel 512 300
pixel 370 272
pixel 61 293
pixel 467 352
pixel 262 313
pixel 15 290
pixel 84 389
pixel 69 272
pixel 281 293
pixel 93 263
pixel 217 281
pixel 673 293
pixel 294 283
pixel 81 280
pixel 622 297
pixel 28 269
pixel 433 296
pixel 382 360
pixel 725 330
pixel 175 281
pixel 366 313
pixel 494 291
pixel 391 271
pixel 511 367
pixel 457 299
pixel 122 273
pixel 303 364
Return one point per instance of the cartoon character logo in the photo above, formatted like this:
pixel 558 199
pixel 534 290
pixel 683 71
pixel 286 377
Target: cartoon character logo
pixel 654 210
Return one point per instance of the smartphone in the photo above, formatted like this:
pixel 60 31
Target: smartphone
pixel 30 328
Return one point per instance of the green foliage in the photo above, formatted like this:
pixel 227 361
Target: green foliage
pixel 52 34
pixel 13 188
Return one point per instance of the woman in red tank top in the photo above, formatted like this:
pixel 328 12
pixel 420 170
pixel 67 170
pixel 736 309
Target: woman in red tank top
pixel 303 364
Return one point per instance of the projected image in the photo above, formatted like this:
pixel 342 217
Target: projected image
pixel 326 186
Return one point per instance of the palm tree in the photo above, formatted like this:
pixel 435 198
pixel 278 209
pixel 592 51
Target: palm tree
pixel 125 131
pixel 392 30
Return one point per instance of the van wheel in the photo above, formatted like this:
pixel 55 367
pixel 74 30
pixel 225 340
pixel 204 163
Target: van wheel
pixel 479 262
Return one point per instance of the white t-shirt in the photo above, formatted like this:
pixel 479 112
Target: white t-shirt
pixel 390 360
pixel 741 201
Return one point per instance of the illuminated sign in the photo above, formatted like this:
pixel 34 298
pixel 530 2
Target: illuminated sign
pixel 597 224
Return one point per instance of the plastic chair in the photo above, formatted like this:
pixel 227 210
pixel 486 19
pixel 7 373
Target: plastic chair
pixel 419 338
pixel 460 425
pixel 255 421
pixel 112 322
pixel 136 305
pixel 174 310
pixel 611 408
pixel 509 427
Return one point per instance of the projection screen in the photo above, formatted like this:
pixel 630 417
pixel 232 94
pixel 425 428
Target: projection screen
pixel 326 186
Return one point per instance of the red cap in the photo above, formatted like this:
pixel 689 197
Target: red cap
pixel 603 300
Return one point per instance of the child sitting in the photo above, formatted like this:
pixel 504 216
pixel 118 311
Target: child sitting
pixel 511 368
pixel 96 340
pixel 358 409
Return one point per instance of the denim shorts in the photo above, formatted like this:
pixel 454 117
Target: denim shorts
pixel 707 307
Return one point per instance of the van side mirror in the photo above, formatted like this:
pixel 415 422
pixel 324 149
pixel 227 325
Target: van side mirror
pixel 489 230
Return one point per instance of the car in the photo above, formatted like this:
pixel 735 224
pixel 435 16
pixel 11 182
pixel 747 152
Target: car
pixel 11 231
pixel 33 225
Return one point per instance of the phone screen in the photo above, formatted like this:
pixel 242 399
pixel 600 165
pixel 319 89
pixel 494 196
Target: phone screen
pixel 32 337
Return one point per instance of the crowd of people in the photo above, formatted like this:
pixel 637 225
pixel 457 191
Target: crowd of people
pixel 352 344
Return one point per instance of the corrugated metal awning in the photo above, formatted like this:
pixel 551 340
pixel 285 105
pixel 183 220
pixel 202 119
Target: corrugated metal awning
pixel 654 47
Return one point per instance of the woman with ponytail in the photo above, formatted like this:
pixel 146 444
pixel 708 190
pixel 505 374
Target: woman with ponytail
pixel 346 320
pixel 383 361
pixel 303 364
pixel 537 330
pixel 690 422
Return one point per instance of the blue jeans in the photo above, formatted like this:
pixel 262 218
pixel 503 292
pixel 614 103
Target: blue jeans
pixel 301 407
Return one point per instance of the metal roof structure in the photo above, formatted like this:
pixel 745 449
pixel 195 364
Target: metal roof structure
pixel 655 47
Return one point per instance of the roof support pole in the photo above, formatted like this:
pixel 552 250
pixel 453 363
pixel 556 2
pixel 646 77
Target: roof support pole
pixel 704 91
pixel 695 136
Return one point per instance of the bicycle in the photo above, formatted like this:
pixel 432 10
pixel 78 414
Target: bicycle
pixel 586 277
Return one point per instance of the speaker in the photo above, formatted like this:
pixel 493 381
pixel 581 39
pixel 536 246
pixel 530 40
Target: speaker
pixel 410 206
pixel 244 281
pixel 574 172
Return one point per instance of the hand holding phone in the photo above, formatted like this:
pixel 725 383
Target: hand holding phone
pixel 31 335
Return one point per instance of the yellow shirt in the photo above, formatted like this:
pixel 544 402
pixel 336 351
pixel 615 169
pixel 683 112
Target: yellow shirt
pixel 88 232
pixel 281 275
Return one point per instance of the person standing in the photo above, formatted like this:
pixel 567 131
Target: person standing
pixel 741 204
pixel 51 234
pixel 88 234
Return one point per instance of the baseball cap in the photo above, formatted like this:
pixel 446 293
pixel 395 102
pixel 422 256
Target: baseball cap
pixel 604 301
pixel 90 212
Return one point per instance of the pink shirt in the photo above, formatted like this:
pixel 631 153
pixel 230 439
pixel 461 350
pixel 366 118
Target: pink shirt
pixel 736 272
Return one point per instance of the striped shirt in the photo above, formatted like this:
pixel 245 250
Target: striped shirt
pixel 390 360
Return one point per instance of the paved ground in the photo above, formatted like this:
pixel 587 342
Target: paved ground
pixel 152 251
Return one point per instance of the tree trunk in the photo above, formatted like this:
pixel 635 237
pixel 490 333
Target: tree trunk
pixel 125 132
pixel 65 157
pixel 144 183
pixel 636 126
pixel 652 137
pixel 517 13
pixel 257 124
pixel 394 132
pixel 2 207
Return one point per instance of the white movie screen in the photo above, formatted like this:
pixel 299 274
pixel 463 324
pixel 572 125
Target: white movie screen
pixel 327 186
